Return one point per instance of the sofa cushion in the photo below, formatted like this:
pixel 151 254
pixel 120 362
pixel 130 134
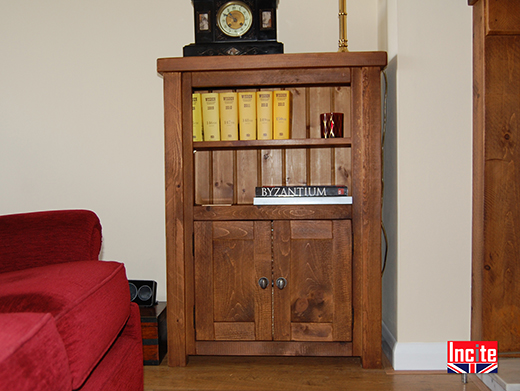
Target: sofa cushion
pixel 32 357
pixel 115 372
pixel 89 301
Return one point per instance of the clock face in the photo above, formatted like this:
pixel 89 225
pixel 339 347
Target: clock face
pixel 234 18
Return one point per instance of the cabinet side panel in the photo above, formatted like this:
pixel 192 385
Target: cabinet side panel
pixel 174 194
pixel 500 288
pixel 366 214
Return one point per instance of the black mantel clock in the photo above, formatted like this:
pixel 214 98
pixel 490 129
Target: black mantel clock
pixel 224 27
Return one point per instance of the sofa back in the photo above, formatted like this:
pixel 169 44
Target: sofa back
pixel 42 238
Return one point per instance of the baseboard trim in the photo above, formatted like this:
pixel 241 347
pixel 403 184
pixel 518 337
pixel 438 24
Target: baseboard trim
pixel 414 356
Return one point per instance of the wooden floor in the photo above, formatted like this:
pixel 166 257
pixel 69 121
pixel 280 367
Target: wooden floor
pixel 295 373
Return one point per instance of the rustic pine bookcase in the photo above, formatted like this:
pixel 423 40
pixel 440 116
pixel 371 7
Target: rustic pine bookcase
pixel 219 245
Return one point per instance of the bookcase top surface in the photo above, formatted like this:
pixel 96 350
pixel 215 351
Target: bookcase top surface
pixel 272 61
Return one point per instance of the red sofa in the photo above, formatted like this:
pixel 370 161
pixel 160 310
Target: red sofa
pixel 66 320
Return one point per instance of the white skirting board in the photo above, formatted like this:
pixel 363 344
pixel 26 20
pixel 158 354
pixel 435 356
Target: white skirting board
pixel 414 356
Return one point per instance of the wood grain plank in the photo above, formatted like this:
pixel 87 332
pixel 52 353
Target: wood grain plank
pixel 275 348
pixel 282 268
pixel 320 158
pixel 269 78
pixel 273 212
pixel 236 230
pixel 203 232
pixel 311 331
pixel 366 213
pixel 273 61
pixel 234 280
pixel 263 268
pixel 174 189
pixel 501 267
pixel 232 331
pixel 342 280
pixel 296 159
pixel 223 177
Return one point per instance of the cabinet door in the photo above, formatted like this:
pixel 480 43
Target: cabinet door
pixel 230 258
pixel 315 258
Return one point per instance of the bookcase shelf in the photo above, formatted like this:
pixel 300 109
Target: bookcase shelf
pixel 272 144
pixel 322 263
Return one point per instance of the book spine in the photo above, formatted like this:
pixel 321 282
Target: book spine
pixel 264 114
pixel 228 116
pixel 197 117
pixel 301 191
pixel 247 115
pixel 210 116
pixel 281 115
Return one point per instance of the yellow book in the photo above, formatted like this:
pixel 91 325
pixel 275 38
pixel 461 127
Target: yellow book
pixel 197 117
pixel 281 115
pixel 247 115
pixel 228 116
pixel 210 116
pixel 264 115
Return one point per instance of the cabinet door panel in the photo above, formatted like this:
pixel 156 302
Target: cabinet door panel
pixel 316 259
pixel 230 258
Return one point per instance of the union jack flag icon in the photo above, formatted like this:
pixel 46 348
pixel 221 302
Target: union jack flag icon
pixel 472 368
pixel 472 357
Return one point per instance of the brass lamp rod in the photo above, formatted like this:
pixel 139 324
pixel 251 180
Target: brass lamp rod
pixel 343 42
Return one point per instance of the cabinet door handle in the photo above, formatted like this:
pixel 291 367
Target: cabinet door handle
pixel 281 283
pixel 263 282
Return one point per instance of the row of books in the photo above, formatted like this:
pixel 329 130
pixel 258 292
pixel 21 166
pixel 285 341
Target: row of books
pixel 301 195
pixel 249 115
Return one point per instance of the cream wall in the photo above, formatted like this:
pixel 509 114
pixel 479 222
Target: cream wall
pixel 427 284
pixel 81 115
pixel 81 126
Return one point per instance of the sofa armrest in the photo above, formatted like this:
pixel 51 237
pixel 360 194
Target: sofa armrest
pixel 41 238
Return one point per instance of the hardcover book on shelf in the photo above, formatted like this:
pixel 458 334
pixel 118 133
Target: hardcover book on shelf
pixel 228 116
pixel 211 116
pixel 197 117
pixel 302 200
pixel 281 115
pixel 264 114
pixel 301 191
pixel 247 115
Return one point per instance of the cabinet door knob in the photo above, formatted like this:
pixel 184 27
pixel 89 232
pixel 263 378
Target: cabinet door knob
pixel 263 282
pixel 281 283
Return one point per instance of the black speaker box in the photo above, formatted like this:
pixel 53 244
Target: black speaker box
pixel 143 292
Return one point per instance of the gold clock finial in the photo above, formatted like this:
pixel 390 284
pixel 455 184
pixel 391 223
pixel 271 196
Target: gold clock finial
pixel 343 42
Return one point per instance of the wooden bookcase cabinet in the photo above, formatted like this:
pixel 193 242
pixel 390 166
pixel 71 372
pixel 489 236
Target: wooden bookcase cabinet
pixel 219 245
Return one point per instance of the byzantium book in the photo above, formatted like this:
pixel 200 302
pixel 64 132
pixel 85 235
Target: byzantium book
pixel 301 191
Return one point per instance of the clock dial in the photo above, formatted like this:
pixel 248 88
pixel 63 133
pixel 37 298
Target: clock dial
pixel 235 18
